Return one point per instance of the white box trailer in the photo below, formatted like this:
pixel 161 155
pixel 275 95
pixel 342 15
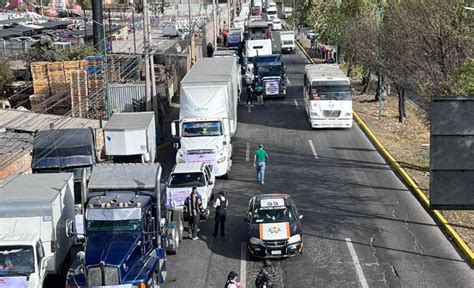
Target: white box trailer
pixel 208 114
pixel 131 136
pixel 283 41
pixel 36 212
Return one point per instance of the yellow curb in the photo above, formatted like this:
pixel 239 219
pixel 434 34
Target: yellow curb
pixel 425 202
pixel 462 246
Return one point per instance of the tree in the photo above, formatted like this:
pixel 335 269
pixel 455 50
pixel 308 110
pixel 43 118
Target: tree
pixel 77 52
pixel 6 76
pixel 85 4
pixel 462 83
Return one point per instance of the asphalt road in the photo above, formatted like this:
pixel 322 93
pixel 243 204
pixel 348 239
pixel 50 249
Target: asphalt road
pixel 362 227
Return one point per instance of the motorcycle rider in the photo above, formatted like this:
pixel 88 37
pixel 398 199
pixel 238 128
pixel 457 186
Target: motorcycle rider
pixel 264 277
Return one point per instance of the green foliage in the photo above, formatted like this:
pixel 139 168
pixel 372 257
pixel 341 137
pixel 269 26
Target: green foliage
pixel 463 81
pixel 6 75
pixel 85 4
pixel 77 52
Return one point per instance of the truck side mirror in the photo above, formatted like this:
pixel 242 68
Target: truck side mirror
pixel 70 228
pixel 40 249
pixel 173 129
pixel 81 255
pixel 176 145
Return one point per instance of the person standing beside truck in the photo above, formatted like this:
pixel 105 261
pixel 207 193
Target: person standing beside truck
pixel 220 204
pixel 259 160
pixel 249 95
pixel 193 209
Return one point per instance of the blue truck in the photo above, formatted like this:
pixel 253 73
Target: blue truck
pixel 270 74
pixel 126 229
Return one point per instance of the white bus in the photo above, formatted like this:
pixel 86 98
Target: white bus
pixel 327 96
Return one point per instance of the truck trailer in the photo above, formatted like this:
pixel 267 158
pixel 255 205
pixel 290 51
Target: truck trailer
pixel 283 41
pixel 36 214
pixel 130 137
pixel 208 114
pixel 66 150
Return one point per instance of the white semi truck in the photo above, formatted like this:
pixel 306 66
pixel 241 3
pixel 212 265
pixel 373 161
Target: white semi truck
pixel 208 114
pixel 36 214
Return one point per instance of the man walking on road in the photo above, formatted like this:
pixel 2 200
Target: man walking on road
pixel 220 204
pixel 259 160
pixel 193 209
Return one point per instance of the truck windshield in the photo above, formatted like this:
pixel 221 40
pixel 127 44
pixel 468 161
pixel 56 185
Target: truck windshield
pixel 187 180
pixel 200 129
pixel 16 260
pixel 331 92
pixel 113 226
pixel 269 70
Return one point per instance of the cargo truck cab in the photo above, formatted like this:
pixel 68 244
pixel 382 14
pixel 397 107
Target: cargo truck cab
pixel 22 261
pixel 204 141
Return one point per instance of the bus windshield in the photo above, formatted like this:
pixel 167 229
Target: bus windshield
pixel 331 92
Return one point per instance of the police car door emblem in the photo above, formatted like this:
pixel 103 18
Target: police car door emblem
pixel 274 229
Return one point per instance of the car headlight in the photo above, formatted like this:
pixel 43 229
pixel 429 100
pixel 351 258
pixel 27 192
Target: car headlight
pixel 348 114
pixel 180 159
pixel 255 241
pixel 314 114
pixel 222 159
pixel 294 239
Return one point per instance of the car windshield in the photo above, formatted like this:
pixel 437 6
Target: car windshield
pixel 287 42
pixel 16 260
pixel 273 214
pixel 269 70
pixel 113 226
pixel 331 92
pixel 187 180
pixel 200 129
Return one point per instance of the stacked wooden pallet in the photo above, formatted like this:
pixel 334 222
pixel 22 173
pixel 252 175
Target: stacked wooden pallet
pixel 79 92
pixel 95 68
pixel 52 86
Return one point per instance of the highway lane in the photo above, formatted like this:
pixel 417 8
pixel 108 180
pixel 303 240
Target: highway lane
pixel 362 227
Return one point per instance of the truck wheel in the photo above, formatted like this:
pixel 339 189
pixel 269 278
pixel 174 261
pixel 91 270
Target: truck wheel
pixel 173 239
pixel 155 281
pixel 177 216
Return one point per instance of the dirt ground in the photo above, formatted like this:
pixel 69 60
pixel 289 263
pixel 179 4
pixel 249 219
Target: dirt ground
pixel 408 142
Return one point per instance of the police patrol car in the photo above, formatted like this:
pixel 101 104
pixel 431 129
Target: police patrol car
pixel 274 227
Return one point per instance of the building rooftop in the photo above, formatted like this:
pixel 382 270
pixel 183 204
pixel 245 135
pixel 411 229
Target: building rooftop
pixel 26 121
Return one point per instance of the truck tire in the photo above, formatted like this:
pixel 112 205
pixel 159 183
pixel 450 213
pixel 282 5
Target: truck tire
pixel 173 239
pixel 155 281
pixel 177 216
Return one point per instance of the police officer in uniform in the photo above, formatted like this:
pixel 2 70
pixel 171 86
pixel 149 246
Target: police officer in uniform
pixel 220 204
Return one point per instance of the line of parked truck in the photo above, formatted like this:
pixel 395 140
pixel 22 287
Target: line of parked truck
pixel 263 43
pixel 120 212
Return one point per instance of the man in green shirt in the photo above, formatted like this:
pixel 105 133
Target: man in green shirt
pixel 259 93
pixel 259 160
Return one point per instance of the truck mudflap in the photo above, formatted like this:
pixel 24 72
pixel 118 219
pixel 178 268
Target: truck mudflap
pixel 162 266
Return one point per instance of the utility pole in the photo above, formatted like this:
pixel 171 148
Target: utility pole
pixel 228 15
pixel 146 50
pixel 380 80
pixel 214 16
pixel 191 33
